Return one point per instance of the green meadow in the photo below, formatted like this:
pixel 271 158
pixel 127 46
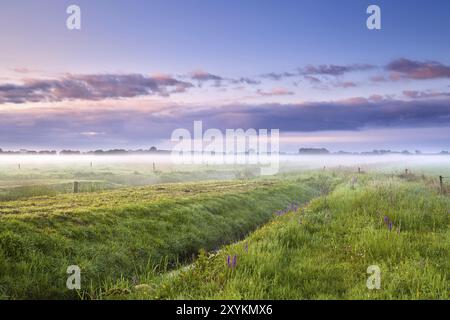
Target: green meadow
pixel 217 233
pixel 122 233
pixel 323 250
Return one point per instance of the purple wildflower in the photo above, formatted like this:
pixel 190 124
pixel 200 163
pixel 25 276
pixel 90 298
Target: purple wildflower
pixel 386 219
pixel 228 261
pixel 390 225
pixel 234 261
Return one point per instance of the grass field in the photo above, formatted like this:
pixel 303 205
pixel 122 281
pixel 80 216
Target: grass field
pixel 322 251
pixel 215 232
pixel 123 232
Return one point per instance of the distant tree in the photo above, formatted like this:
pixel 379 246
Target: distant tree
pixel 69 152
pixel 313 151
pixel 116 151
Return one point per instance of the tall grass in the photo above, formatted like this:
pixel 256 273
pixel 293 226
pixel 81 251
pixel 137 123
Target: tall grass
pixel 323 251
pixel 121 234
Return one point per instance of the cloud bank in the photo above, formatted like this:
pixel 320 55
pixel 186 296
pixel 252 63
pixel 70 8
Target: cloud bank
pixel 138 126
pixel 90 87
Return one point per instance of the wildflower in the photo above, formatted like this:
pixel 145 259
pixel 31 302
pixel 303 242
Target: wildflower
pixel 231 263
pixel 234 261
pixel 388 222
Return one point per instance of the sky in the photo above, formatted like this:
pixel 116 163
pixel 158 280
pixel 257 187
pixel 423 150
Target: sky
pixel 137 70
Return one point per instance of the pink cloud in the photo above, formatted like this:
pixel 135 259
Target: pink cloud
pixel 275 92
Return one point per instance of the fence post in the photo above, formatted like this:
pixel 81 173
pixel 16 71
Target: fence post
pixel 406 171
pixel 441 183
pixel 359 169
pixel 75 187
pixel 154 167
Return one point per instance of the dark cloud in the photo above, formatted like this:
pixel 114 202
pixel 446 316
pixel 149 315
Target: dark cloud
pixel 246 80
pixel 350 114
pixel 136 127
pixel 310 72
pixel 201 77
pixel 312 79
pixel 414 94
pixel 219 81
pixel 353 114
pixel 278 76
pixel 333 70
pixel 345 84
pixel 418 70
pixel 90 87
pixel 204 76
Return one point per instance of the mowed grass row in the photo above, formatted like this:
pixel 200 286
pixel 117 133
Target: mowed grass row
pixel 119 234
pixel 323 251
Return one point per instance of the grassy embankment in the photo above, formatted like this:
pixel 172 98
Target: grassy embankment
pixel 322 251
pixel 123 233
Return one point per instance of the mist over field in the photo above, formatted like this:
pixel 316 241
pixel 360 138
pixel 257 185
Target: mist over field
pixel 36 175
pixel 167 162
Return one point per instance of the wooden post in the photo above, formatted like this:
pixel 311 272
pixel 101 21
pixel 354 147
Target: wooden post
pixel 359 169
pixel 154 167
pixel 19 166
pixel 75 187
pixel 406 171
pixel 441 183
